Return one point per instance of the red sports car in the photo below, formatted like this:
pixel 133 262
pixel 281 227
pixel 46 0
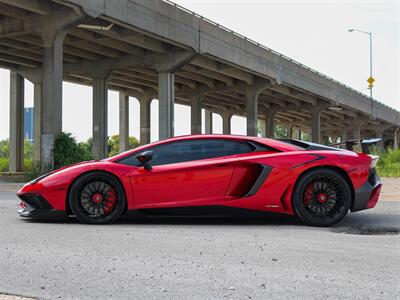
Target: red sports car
pixel 318 184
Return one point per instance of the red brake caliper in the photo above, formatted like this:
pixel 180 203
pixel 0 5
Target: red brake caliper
pixel 308 194
pixel 110 202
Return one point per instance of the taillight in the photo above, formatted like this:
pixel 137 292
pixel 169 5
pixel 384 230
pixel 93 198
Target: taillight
pixel 374 160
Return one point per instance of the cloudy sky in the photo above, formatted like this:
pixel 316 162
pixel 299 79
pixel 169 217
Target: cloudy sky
pixel 313 32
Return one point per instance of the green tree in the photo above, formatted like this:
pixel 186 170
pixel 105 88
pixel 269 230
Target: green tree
pixel 305 136
pixel 28 150
pixel 113 144
pixel 4 146
pixel 280 131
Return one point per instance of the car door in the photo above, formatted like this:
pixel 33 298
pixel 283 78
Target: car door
pixel 189 172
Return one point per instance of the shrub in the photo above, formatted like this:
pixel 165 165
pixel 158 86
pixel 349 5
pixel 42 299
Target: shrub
pixel 67 151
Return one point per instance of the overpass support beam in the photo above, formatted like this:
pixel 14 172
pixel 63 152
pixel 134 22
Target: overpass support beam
pixel 145 110
pixel 357 131
pixel 37 116
pixel 357 127
pixel 380 146
pixel 262 127
pixel 226 122
pixel 269 123
pixel 195 113
pixel 16 149
pixel 52 30
pixel 316 125
pixel 100 117
pixel 34 76
pixel 396 138
pixel 208 120
pixel 316 122
pixel 123 122
pixel 343 137
pixel 252 93
pixel 166 67
pixel 289 131
pixel 166 96
pixel 51 108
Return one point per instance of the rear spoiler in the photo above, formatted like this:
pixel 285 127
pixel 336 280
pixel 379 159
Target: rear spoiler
pixel 365 144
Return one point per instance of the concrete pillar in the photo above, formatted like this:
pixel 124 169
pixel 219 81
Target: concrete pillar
pixel 344 134
pixel 16 146
pixel 299 134
pixel 123 122
pixel 357 130
pixel 290 131
pixel 263 129
pixel 100 120
pixel 316 125
pixel 380 146
pixel 252 112
pixel 252 92
pixel 166 96
pixel 37 125
pixel 195 114
pixel 145 104
pixel 396 139
pixel 51 108
pixel 269 123
pixel 226 122
pixel 208 120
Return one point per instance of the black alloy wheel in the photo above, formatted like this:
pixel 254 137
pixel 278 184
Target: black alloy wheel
pixel 97 198
pixel 322 197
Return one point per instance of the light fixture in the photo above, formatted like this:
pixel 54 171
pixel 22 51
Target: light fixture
pixel 336 108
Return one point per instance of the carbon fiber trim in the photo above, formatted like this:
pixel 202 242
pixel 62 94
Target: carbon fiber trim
pixel 317 157
pixel 259 181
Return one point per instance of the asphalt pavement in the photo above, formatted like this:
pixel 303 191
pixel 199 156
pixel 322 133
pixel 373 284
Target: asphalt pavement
pixel 201 258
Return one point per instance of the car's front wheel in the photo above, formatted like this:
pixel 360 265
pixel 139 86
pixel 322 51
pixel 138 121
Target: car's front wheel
pixel 97 198
pixel 322 197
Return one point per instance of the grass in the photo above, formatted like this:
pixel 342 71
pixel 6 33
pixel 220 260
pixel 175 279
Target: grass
pixel 389 164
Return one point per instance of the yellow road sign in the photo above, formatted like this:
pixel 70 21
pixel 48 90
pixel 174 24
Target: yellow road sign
pixel 371 81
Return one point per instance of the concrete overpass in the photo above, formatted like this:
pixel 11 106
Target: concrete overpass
pixel 158 50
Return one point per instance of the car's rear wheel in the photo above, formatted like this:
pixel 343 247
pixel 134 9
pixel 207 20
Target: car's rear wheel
pixel 97 198
pixel 321 197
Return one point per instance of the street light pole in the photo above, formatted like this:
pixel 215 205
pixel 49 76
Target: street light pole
pixel 370 56
pixel 370 61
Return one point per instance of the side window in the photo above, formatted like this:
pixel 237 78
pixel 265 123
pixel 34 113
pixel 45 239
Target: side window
pixel 176 152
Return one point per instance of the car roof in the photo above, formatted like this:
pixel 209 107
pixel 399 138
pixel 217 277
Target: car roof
pixel 279 145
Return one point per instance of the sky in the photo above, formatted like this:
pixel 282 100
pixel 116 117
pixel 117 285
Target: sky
pixel 312 32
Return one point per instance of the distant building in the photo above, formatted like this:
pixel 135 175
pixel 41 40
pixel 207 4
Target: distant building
pixel 28 123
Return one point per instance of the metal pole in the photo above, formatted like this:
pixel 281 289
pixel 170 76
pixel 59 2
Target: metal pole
pixel 370 59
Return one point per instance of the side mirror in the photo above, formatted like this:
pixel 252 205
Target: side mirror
pixel 144 158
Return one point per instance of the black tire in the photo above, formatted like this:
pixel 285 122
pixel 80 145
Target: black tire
pixel 321 197
pixel 97 198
